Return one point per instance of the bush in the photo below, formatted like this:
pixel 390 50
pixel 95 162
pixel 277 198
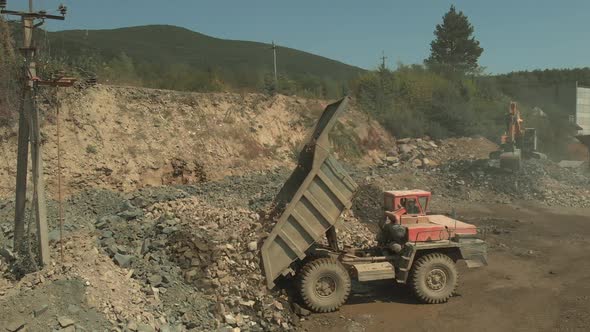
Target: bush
pixel 91 149
pixel 413 101
pixel 345 141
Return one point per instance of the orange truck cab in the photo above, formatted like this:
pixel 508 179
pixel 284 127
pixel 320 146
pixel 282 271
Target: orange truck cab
pixel 408 208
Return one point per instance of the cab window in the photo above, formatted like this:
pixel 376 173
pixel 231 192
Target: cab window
pixel 411 206
pixel 423 202
pixel 388 204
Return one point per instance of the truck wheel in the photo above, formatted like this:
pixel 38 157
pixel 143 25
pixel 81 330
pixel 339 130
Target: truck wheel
pixel 324 284
pixel 434 278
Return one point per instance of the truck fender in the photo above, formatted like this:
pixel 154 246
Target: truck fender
pixel 473 252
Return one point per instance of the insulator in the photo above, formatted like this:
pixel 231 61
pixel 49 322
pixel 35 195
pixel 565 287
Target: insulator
pixel 2 3
pixel 63 9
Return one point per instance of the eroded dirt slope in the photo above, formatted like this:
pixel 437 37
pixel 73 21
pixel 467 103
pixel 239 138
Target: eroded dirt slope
pixel 125 138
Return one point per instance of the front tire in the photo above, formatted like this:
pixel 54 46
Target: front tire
pixel 324 285
pixel 434 278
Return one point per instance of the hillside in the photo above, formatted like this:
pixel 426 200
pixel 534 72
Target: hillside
pixel 127 138
pixel 157 50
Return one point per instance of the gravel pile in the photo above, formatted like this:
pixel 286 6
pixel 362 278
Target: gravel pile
pixel 209 248
pixel 218 252
pixel 426 153
pixel 537 180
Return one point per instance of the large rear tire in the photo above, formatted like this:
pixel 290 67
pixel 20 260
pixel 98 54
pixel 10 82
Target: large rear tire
pixel 324 284
pixel 434 278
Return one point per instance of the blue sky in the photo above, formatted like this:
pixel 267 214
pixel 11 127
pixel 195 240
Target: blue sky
pixel 515 34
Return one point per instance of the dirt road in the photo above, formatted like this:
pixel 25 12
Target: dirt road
pixel 538 279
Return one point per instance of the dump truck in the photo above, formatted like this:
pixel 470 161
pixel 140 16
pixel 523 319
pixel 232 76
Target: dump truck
pixel 413 248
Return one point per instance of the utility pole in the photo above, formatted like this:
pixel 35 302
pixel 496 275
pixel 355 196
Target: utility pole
pixel 383 58
pixel 29 133
pixel 274 53
pixel 381 90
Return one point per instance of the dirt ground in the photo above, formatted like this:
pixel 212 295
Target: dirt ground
pixel 537 279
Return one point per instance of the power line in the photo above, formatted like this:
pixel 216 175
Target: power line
pixel 383 58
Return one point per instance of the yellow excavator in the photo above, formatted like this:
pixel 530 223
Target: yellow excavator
pixel 517 143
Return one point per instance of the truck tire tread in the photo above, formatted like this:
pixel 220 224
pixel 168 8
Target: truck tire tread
pixel 319 268
pixel 418 277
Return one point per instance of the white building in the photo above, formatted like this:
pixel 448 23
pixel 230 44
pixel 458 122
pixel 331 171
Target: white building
pixel 583 110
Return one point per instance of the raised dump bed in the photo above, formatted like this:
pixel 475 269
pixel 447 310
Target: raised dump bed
pixel 310 202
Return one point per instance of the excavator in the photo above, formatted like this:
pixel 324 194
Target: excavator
pixel 517 143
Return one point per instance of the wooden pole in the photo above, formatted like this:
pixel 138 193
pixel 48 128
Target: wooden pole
pixel 39 204
pixel 23 138
pixel 21 179
pixel 274 53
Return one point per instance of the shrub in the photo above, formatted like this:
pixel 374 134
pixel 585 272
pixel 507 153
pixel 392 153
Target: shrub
pixel 91 149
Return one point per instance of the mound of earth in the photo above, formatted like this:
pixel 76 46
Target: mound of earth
pixel 124 138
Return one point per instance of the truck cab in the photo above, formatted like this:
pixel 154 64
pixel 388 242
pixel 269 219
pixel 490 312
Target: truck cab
pixel 397 203
pixel 408 209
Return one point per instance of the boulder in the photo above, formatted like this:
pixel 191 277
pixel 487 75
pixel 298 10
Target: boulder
pixel 404 140
pixel 230 319
pixel 155 280
pixel 391 159
pixel 417 162
pixel 300 311
pixel 131 214
pixel 124 260
pixel 405 148
pixel 252 246
pixel 65 321
pixel 141 327
pixel 16 324
pixel 54 236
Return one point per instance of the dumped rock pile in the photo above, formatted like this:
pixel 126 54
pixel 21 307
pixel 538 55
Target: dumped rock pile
pixel 217 250
pixel 211 253
pixel 466 174
pixel 137 243
pixel 537 180
pixel 426 153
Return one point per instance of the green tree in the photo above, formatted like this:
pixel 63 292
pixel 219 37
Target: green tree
pixel 269 85
pixel 454 49
pixel 120 70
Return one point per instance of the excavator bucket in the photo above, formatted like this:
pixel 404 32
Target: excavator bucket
pixel 511 160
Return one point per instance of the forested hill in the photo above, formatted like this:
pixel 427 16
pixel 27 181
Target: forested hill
pixel 548 88
pixel 173 57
